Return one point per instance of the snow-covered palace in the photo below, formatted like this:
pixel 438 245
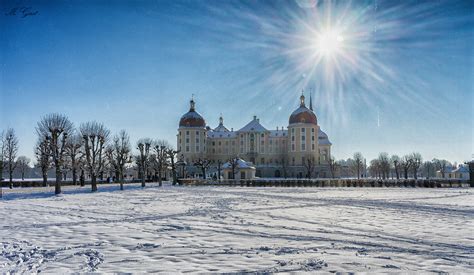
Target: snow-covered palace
pixel 290 152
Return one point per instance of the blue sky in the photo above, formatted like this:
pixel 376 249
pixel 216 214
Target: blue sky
pixel 401 81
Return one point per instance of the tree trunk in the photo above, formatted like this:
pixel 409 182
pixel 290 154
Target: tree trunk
pixel 93 182
pixel 159 176
pixel 11 179
pixel 143 178
pixel 74 176
pixel 45 178
pixel 204 173
pixel 173 171
pixel 57 187
pixel 22 175
pixel 82 178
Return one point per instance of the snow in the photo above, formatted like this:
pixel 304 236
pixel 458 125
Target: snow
pixel 241 164
pixel 223 229
pixel 253 126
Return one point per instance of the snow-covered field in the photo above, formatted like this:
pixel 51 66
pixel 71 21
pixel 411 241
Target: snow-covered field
pixel 222 229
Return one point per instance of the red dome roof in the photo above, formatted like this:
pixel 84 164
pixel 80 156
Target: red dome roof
pixel 192 118
pixel 303 114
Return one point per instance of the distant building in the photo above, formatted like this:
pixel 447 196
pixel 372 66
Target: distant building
pixel 242 170
pixel 274 153
pixel 462 172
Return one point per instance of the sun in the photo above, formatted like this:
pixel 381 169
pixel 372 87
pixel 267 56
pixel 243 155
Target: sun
pixel 329 42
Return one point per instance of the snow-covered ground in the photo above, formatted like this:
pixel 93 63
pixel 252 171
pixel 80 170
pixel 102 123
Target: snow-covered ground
pixel 223 229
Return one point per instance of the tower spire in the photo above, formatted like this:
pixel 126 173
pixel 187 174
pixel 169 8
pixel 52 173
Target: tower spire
pixel 311 99
pixel 221 120
pixel 192 103
pixel 302 98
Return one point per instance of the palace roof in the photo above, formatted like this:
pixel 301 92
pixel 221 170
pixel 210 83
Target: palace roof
pixel 253 126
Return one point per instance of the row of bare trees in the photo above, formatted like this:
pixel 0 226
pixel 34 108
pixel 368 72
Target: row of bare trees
pixel 386 166
pixel 155 158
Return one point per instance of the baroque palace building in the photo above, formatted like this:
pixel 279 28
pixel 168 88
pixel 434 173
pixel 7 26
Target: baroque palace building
pixel 293 152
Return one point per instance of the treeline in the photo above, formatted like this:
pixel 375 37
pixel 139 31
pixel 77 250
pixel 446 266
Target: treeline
pixel 89 149
pixel 390 166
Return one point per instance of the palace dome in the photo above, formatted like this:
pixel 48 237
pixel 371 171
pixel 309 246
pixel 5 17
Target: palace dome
pixel 303 114
pixel 192 118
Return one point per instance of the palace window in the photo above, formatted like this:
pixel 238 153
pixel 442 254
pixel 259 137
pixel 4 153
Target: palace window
pixel 312 146
pixel 303 137
pixel 187 133
pixel 312 130
pixel 197 140
pixel 187 140
pixel 303 130
pixel 219 143
pixel 303 147
pixel 197 148
pixel 293 147
pixel 187 148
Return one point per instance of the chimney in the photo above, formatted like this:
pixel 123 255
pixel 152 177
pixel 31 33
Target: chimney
pixel 254 117
pixel 231 129
pixel 258 120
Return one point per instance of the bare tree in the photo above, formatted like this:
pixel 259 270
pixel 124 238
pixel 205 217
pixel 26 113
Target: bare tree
pixel 203 164
pixel 406 164
pixel 43 159
pixel 219 164
pixel 384 163
pixel 23 164
pixel 74 153
pixel 172 156
pixel 234 165
pixel 56 129
pixel 121 154
pixel 2 155
pixel 396 165
pixel 416 161
pixel 143 146
pixel 375 168
pixel 332 166
pixel 358 163
pixel 309 165
pixel 95 137
pixel 428 169
pixel 11 150
pixel 441 165
pixel 160 148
